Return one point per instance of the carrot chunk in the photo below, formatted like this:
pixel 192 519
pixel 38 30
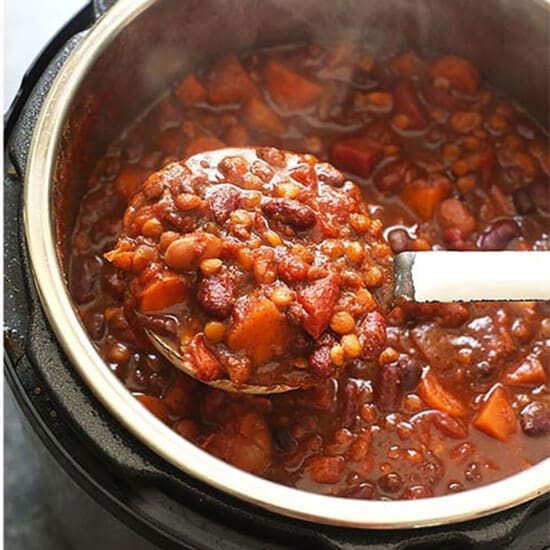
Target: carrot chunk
pixel 201 144
pixel 163 293
pixel 261 117
pixel 496 417
pixel 436 396
pixel 190 90
pixel 288 89
pixel 356 154
pixel 529 371
pixel 259 329
pixel 405 101
pixel 423 195
pixel 461 74
pixel 228 82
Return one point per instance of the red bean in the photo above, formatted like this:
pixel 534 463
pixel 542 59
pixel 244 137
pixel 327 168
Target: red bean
pixel 321 363
pixel 366 491
pixel 399 240
pixel 410 372
pixel 372 335
pixel 498 235
pixel 289 212
pixel 327 173
pixel 535 419
pixel 391 483
pixel 387 390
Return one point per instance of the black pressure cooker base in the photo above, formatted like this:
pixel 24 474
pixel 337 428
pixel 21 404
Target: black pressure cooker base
pixel 153 498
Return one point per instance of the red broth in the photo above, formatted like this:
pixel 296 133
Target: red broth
pixel 458 397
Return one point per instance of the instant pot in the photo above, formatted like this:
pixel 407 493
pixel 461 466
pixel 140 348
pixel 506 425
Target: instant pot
pixel 102 69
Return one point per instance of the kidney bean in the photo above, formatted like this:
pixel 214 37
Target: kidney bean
pixel 365 491
pixel 284 440
pixel 372 335
pixel 523 202
pixel 387 390
pixel 321 363
pixel 390 483
pixel 328 174
pixel 399 240
pixel 216 294
pixel 95 323
pixel 498 235
pixel 85 273
pixel 535 419
pixel 289 212
pixel 223 202
pixel 410 372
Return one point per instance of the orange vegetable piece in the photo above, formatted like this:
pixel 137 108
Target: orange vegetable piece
pixel 128 180
pixel 201 144
pixel 228 82
pixel 436 396
pixel 259 329
pixel 261 117
pixel 462 75
pixel 155 406
pixel 163 293
pixel 423 195
pixel 356 154
pixel 529 371
pixel 496 418
pixel 289 89
pixel 190 90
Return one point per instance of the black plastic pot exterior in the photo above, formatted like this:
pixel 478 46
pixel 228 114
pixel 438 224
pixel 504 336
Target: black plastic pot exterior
pixel 151 496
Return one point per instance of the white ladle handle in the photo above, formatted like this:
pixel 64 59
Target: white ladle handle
pixel 451 276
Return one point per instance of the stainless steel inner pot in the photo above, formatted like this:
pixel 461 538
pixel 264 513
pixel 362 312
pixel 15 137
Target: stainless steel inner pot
pixel 130 56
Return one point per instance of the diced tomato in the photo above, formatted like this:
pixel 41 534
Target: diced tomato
pixel 436 396
pixel 461 74
pixel 261 117
pixel 162 293
pixel 356 154
pixel 408 65
pixel 201 144
pixel 496 417
pixel 423 195
pixel 207 366
pixel 405 101
pixel 290 90
pixel 190 90
pixel 228 82
pixel 318 300
pixel 439 96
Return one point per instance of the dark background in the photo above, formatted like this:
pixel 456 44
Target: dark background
pixel 28 522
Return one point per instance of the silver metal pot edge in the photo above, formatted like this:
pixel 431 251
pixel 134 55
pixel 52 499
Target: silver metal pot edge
pixel 57 303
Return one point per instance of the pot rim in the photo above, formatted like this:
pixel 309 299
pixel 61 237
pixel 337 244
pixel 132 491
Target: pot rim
pixel 59 308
